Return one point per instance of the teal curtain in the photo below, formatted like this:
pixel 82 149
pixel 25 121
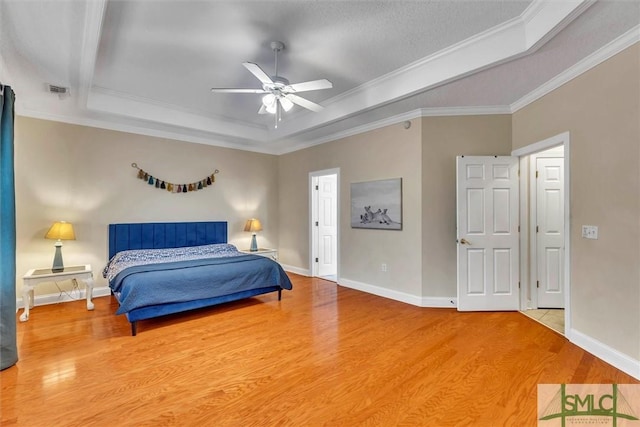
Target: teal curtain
pixel 8 343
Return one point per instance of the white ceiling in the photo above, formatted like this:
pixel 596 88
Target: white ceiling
pixel 148 66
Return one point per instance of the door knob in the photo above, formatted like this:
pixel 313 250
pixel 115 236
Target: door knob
pixel 464 242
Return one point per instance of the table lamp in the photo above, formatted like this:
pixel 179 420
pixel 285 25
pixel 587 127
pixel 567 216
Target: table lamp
pixel 59 231
pixel 253 225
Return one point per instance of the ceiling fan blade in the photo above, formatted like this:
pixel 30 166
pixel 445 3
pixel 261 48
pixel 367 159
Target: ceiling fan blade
pixel 235 90
pixel 262 110
pixel 304 102
pixel 257 71
pixel 312 85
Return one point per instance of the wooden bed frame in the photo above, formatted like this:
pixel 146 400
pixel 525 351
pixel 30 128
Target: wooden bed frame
pixel 174 235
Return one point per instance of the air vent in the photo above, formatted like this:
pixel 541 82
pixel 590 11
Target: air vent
pixel 59 90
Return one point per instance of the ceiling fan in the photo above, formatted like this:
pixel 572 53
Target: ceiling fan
pixel 279 94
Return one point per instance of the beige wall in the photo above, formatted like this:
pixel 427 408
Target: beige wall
pixel 601 110
pixel 421 258
pixel 389 152
pixel 444 138
pixel 84 175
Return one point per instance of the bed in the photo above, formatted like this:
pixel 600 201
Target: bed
pixel 156 269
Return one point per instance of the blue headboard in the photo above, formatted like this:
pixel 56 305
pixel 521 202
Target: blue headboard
pixel 165 235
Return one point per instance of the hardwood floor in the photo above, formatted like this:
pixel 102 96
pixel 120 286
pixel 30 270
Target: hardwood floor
pixel 324 355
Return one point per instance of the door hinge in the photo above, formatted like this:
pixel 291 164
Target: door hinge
pixel 537 283
pixel 518 173
pixel 518 229
pixel 518 285
pixel 317 223
pixel 537 230
pixel 316 259
pixel 536 174
pixel 317 188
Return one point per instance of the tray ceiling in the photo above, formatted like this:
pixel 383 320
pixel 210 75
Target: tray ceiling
pixel 148 66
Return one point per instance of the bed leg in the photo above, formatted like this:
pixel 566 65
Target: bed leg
pixel 279 294
pixel 134 328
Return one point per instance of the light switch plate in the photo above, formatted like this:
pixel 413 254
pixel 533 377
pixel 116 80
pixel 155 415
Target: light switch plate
pixel 590 232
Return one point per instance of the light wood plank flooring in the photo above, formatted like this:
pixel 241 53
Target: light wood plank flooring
pixel 551 317
pixel 323 356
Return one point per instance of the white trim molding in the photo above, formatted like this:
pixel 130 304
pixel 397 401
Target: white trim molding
pixel 563 139
pixel 625 363
pixel 419 301
pixel 616 46
pixel 439 302
pixel 381 292
pixel 509 40
pixel 393 120
pixel 296 270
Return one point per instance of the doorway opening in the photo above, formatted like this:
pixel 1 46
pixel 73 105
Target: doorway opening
pixel 544 239
pixel 324 224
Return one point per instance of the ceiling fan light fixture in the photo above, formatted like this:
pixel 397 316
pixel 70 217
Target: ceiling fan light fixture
pixel 286 104
pixel 268 100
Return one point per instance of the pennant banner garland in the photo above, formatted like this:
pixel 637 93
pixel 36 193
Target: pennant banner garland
pixel 175 188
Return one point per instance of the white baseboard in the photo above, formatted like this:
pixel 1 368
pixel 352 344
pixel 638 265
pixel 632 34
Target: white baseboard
pixel 65 297
pixel 602 351
pixel 436 302
pixel 440 302
pixel 381 292
pixel 296 270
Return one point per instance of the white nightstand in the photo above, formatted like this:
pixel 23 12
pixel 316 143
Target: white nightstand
pixel 265 252
pixel 35 276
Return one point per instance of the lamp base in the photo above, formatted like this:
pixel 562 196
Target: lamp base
pixel 58 266
pixel 254 243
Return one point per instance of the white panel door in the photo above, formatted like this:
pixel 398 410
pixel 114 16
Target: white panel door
pixel 550 232
pixel 488 240
pixel 327 225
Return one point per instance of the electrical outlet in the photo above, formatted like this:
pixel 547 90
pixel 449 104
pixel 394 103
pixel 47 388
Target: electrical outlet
pixel 383 268
pixel 590 232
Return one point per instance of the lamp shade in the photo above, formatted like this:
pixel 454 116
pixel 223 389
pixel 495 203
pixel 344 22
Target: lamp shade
pixel 286 104
pixel 61 230
pixel 253 225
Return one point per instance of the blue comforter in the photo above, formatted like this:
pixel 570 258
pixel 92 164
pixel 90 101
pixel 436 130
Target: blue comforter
pixel 180 281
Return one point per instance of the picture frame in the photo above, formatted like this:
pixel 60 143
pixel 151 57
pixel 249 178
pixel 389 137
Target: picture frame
pixel 377 204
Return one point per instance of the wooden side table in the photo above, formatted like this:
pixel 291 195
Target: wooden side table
pixel 35 276
pixel 265 252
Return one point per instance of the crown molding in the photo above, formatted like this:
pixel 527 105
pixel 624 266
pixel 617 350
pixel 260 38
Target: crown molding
pixel 106 101
pixel 542 23
pixel 389 121
pixel 178 135
pixel 501 43
pixel 352 131
pixel 613 48
pixel 465 111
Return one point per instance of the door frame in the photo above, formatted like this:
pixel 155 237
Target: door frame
pixel 313 236
pixel 523 153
